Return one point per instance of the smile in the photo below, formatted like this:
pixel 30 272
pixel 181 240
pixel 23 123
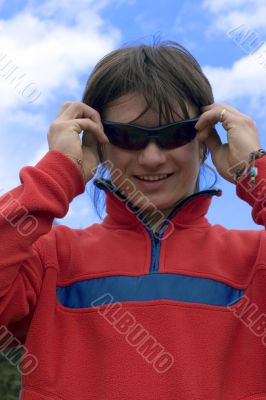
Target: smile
pixel 152 178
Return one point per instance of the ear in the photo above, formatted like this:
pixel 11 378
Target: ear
pixel 202 148
pixel 101 152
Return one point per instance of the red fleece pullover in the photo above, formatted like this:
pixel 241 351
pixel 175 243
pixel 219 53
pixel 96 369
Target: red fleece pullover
pixel 112 312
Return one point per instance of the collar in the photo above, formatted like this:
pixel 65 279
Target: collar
pixel 188 212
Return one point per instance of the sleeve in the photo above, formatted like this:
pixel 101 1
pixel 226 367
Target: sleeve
pixel 255 196
pixel 26 213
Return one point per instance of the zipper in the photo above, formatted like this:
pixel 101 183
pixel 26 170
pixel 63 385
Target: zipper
pixel 155 253
pixel 156 241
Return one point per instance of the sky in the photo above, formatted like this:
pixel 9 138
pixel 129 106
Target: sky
pixel 52 46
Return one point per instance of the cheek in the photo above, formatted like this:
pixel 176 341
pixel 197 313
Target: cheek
pixel 186 156
pixel 118 159
pixel 187 163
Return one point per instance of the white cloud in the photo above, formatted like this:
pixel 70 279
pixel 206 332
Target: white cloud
pixel 228 14
pixel 36 157
pixel 221 5
pixel 246 77
pixel 53 45
pixel 243 21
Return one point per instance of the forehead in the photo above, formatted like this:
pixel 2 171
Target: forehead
pixel 128 107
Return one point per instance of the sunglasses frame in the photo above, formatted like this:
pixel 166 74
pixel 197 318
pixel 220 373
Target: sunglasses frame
pixel 153 133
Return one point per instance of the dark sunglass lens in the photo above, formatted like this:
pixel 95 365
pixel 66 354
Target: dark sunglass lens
pixel 125 137
pixel 177 136
pixel 136 140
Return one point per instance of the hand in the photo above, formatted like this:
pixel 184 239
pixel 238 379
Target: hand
pixel 64 132
pixel 242 137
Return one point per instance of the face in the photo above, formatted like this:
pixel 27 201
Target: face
pixel 181 165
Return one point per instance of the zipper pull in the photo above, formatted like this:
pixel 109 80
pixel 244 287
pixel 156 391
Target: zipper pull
pixel 156 247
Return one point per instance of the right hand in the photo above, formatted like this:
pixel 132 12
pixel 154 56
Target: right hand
pixel 63 135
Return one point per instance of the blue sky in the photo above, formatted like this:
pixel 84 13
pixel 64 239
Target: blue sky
pixel 55 45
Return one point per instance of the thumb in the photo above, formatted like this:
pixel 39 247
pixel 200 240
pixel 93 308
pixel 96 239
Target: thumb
pixel 211 138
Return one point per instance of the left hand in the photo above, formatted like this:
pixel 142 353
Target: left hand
pixel 242 137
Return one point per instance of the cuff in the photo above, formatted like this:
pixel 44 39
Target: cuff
pixel 64 171
pixel 254 196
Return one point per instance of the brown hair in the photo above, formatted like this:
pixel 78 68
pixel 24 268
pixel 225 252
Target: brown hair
pixel 161 72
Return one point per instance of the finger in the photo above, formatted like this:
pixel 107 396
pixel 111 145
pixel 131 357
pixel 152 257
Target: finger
pixel 65 105
pixel 90 128
pixel 213 116
pixel 78 109
pixel 72 110
pixel 222 106
pixel 241 118
pixel 226 107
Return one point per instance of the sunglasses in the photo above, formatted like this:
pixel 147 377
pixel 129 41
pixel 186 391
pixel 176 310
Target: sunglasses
pixel 135 137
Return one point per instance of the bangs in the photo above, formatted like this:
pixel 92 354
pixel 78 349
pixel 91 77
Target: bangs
pixel 167 76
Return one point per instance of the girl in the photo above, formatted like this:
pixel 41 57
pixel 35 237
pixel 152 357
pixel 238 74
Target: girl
pixel 154 302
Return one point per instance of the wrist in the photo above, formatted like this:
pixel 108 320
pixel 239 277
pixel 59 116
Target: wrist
pixel 79 163
pixel 250 168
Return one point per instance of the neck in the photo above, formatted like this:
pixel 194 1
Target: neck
pixel 156 218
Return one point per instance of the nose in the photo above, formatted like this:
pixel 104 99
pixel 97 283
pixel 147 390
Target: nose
pixel 152 156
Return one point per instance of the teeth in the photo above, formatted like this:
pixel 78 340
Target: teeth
pixel 152 178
